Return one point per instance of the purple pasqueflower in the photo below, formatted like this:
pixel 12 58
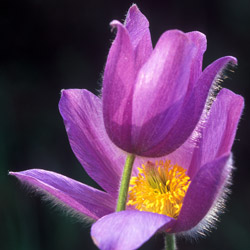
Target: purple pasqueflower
pixel 188 185
pixel 207 163
pixel 153 98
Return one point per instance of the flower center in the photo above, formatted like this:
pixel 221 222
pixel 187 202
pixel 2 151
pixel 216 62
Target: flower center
pixel 160 187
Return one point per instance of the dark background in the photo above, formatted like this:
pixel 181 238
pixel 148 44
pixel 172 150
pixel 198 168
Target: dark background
pixel 46 46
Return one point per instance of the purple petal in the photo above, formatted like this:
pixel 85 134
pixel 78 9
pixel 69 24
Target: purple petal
pixel 192 108
pixel 118 84
pixel 219 133
pixel 202 193
pixel 138 27
pixel 200 41
pixel 160 91
pixel 75 195
pixel 127 230
pixel 220 129
pixel 81 112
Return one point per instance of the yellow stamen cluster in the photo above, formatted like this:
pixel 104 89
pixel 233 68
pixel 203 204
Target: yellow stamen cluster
pixel 159 188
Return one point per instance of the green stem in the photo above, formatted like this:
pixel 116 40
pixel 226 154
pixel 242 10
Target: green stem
pixel 170 243
pixel 123 192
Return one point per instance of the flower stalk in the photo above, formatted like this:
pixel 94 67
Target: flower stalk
pixel 170 243
pixel 123 192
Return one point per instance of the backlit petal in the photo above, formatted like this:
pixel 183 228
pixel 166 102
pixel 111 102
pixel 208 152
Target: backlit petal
pixel 118 84
pixel 200 41
pixel 185 155
pixel 219 131
pixel 193 106
pixel 75 195
pixel 82 115
pixel 159 94
pixel 138 27
pixel 126 230
pixel 202 193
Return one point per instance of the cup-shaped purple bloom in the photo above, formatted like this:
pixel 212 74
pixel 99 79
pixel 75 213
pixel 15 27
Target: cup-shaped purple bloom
pixel 207 162
pixel 153 98
pixel 155 103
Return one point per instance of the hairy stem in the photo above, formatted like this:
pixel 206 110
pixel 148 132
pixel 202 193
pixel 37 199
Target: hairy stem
pixel 123 192
pixel 170 243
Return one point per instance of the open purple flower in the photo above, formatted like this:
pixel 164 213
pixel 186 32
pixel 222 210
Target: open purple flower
pixel 153 98
pixel 177 193
pixel 207 163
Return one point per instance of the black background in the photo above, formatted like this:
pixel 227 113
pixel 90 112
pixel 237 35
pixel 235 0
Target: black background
pixel 46 46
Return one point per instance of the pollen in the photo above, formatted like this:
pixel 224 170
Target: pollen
pixel 159 187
